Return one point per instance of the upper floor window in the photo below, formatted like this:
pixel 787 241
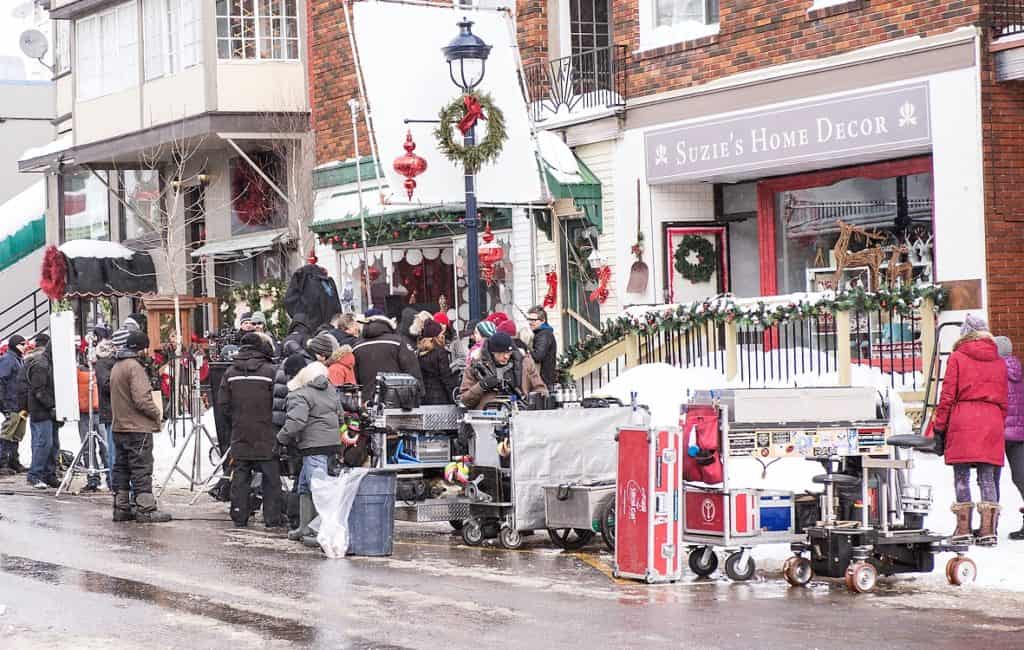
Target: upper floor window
pixel 61 47
pixel 85 206
pixel 171 36
pixel 668 13
pixel 665 22
pixel 257 29
pixel 107 51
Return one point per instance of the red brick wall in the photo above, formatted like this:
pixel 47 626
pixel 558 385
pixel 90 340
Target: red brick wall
pixel 532 30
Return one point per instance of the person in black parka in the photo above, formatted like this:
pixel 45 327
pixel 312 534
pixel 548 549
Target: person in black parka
pixel 383 350
pixel 313 293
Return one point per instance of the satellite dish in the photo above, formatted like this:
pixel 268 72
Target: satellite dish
pixel 24 10
pixel 33 43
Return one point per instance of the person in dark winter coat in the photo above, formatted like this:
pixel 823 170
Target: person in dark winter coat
pixel 405 325
pixel 13 428
pixel 136 418
pixel 246 397
pixel 544 348
pixel 312 293
pixel 500 370
pixel 439 382
pixel 298 331
pixel 104 364
pixel 346 330
pixel 42 412
pixel 970 420
pixel 383 350
pixel 1014 426
pixel 312 425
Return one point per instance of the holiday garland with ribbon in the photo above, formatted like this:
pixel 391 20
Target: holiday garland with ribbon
pixel 723 309
pixel 464 113
pixel 704 268
pixel 399 228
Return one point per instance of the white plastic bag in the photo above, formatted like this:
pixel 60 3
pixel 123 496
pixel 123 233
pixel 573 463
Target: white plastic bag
pixel 333 497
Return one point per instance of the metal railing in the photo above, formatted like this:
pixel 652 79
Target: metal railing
pixel 1006 17
pixel 587 81
pixel 28 316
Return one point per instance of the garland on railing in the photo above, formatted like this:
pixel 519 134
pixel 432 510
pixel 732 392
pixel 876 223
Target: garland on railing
pixel 724 309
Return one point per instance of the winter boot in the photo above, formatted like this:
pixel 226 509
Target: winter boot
pixel 963 512
pixel 306 514
pixel 146 512
pixel 1018 535
pixel 122 507
pixel 5 458
pixel 989 520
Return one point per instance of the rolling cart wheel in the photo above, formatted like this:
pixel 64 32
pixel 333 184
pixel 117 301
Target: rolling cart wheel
pixel 472 533
pixel 456 524
pixel 798 571
pixel 608 524
pixel 570 539
pixel 697 564
pixel 735 571
pixel 510 538
pixel 961 571
pixel 861 577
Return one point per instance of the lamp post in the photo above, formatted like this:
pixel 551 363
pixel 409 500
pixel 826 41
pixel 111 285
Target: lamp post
pixel 467 57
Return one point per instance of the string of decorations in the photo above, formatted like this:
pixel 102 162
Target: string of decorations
pixel 723 309
pixel 403 227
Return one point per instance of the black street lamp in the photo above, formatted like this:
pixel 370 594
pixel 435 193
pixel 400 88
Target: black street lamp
pixel 467 57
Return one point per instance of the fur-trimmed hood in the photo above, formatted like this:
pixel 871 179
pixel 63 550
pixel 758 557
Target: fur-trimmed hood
pixel 105 349
pixel 308 375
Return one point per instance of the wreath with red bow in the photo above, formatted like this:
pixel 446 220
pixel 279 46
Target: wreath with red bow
pixel 464 113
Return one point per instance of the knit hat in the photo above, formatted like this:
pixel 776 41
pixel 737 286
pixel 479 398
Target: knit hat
pixel 486 328
pixel 102 333
pixel 441 318
pixel 253 339
pixel 17 339
pixel 498 318
pixel 973 324
pixel 323 345
pixel 500 342
pixel 508 327
pixel 431 329
pixel 1005 346
pixel 137 342
pixel 245 318
pixel 130 324
pixel 293 364
pixel 41 340
pixel 258 318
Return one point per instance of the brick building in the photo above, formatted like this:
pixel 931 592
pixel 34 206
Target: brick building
pixel 757 125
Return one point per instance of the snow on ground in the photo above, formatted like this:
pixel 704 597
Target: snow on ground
pixel 663 389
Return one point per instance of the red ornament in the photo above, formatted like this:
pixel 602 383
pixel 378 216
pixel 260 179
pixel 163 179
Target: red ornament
pixel 551 296
pixel 600 294
pixel 54 277
pixel 489 253
pixel 374 273
pixel 410 165
pixel 474 112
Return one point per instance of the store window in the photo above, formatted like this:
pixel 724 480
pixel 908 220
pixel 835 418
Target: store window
pixel 852 225
pixel 257 29
pixel 107 51
pixel 142 217
pixel 171 36
pixel 255 206
pixel 85 206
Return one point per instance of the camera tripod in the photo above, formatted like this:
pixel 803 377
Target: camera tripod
pixel 94 463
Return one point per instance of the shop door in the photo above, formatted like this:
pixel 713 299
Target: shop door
pixel 578 240
pixel 696 264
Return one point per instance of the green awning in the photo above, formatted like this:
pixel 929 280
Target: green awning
pixel 22 243
pixel 585 193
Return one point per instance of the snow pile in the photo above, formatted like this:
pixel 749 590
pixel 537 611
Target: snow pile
pixel 95 248
pixel 23 208
pixel 559 158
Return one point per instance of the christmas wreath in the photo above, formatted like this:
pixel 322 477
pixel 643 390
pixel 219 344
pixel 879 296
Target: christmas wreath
pixel 704 268
pixel 464 113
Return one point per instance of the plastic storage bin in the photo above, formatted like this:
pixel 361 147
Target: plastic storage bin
pixel 371 522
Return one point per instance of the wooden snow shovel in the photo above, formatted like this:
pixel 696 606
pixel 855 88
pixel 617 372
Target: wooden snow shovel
pixel 638 272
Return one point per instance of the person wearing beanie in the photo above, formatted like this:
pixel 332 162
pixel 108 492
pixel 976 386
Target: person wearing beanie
pixel 322 347
pixel 1014 424
pixel 439 382
pixel 969 425
pixel 13 428
pixel 40 402
pixel 483 330
pixel 544 348
pixel 500 370
pixel 245 322
pixel 119 337
pixel 246 399
pixel 136 417
pixel 508 327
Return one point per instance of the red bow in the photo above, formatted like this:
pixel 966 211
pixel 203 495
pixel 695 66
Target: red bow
pixel 550 296
pixel 600 294
pixel 473 113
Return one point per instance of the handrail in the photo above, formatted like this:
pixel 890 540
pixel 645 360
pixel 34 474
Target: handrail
pixel 1006 17
pixel 33 319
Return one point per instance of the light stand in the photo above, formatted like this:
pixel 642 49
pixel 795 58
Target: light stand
pixel 93 465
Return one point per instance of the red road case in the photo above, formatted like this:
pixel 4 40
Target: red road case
pixel 648 521
pixel 707 512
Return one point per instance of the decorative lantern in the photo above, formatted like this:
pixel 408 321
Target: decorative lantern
pixel 490 253
pixel 410 165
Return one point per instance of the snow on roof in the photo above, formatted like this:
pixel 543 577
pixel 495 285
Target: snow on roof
pixel 559 158
pixel 58 145
pixel 23 208
pixel 95 248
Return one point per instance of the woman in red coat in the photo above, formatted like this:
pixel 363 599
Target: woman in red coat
pixel 970 417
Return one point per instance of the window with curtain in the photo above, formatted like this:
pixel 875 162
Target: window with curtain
pixel 85 207
pixel 61 47
pixel 257 29
pixel 142 219
pixel 107 51
pixel 675 12
pixel 171 36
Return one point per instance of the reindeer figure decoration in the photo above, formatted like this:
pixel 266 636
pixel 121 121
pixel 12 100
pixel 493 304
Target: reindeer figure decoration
pixel 898 269
pixel 870 257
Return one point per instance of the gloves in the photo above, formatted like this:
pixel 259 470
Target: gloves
pixel 940 442
pixel 490 383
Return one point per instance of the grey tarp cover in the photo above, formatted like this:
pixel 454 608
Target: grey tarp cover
pixel 564 446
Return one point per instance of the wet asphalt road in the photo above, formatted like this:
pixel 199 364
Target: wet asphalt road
pixel 71 578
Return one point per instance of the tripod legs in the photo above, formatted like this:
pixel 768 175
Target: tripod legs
pixel 194 473
pixel 95 463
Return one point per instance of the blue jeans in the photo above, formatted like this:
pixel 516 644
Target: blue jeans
pixel 108 433
pixel 45 447
pixel 309 465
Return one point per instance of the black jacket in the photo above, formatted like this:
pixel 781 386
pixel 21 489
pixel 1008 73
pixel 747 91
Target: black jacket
pixel 439 382
pixel 39 375
pixel 544 353
pixel 298 334
pixel 313 293
pixel 10 365
pixel 246 398
pixel 104 364
pixel 281 391
pixel 383 350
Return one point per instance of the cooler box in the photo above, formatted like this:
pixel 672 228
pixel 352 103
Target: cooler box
pixel 776 511
pixel 576 506
pixel 708 513
pixel 648 530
